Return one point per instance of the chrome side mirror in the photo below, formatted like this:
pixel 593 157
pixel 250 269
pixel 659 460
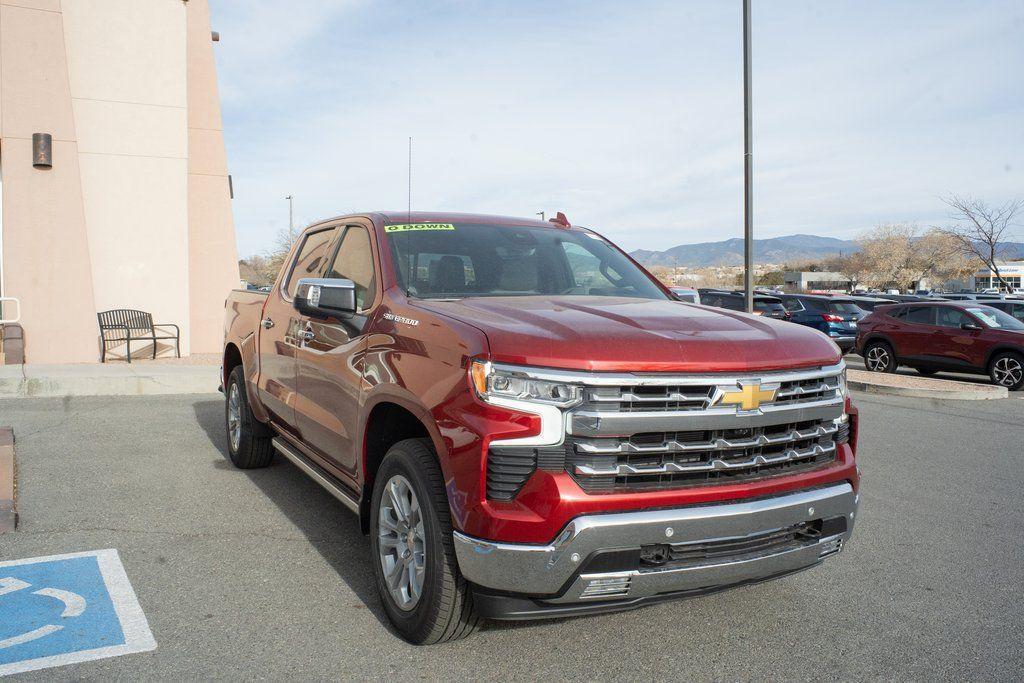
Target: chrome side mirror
pixel 325 297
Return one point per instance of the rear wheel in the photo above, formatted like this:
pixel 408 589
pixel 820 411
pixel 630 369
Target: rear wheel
pixel 879 357
pixel 249 440
pixel 1007 370
pixel 414 562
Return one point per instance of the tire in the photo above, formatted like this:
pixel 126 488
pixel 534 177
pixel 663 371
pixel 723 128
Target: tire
pixel 251 446
pixel 927 372
pixel 879 357
pixel 1006 369
pixel 443 610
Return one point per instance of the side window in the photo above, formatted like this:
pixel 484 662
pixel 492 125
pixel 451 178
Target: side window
pixel 734 303
pixel 793 305
pixel 899 313
pixel 921 315
pixel 1018 312
pixel 951 317
pixel 312 255
pixel 354 262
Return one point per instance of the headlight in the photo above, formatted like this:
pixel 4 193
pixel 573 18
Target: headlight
pixel 518 384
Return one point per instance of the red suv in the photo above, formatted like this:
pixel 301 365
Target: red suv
pixel 945 336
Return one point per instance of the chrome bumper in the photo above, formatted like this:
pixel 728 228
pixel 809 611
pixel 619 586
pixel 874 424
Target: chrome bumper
pixel 557 573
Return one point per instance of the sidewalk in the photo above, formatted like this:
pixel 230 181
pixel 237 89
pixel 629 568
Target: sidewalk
pixel 109 379
pixel 922 387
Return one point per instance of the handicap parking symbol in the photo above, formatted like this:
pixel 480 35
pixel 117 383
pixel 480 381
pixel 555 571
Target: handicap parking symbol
pixel 70 608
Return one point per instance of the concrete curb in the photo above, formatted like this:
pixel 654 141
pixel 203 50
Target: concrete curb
pixel 29 381
pixel 955 392
pixel 8 489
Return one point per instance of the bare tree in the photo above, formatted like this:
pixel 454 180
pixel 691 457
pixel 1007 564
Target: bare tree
pixel 982 230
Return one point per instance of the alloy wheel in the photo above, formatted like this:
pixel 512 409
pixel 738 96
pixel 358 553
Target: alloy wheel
pixel 877 359
pixel 1008 371
pixel 401 542
pixel 234 417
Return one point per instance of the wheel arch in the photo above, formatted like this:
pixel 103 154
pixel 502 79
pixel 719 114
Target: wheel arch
pixel 1001 348
pixel 389 420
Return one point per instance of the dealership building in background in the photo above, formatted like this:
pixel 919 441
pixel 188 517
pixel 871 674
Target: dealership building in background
pixel 115 190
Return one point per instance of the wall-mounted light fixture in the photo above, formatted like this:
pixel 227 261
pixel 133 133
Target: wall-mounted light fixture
pixel 215 36
pixel 42 150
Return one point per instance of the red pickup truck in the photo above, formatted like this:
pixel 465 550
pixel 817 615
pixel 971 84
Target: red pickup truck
pixel 529 425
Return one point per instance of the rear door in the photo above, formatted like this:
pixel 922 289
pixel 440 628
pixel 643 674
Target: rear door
pixel 280 327
pixel 330 360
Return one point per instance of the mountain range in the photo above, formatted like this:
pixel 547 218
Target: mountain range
pixel 787 249
pixel 730 252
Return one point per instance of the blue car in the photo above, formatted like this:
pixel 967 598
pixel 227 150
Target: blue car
pixel 835 316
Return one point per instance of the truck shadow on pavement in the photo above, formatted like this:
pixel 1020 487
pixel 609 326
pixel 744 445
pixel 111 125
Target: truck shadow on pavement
pixel 328 526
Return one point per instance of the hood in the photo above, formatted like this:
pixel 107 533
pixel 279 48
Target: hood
pixel 635 335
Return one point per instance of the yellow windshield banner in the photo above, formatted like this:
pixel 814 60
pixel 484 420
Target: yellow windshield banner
pixel 408 227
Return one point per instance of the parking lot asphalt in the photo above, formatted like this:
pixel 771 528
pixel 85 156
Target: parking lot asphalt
pixel 263 575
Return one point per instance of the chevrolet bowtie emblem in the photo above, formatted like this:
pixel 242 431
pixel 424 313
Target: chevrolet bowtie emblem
pixel 748 396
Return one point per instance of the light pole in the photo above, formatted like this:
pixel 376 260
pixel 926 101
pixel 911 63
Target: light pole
pixel 541 214
pixel 748 168
pixel 291 223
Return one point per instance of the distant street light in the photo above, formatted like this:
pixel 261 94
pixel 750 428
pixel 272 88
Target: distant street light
pixel 541 214
pixel 748 168
pixel 291 223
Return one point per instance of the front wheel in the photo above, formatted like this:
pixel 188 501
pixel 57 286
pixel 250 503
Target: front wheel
pixel 879 357
pixel 414 562
pixel 1007 370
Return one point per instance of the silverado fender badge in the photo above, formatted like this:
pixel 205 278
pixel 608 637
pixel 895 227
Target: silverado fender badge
pixel 401 319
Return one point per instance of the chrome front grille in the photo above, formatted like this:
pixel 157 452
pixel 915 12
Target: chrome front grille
pixel 656 432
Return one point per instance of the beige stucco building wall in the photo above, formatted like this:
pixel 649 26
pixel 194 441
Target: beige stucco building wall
pixel 135 212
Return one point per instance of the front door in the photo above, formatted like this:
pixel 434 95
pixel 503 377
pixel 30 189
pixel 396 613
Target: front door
pixel 330 362
pixel 280 327
pixel 951 343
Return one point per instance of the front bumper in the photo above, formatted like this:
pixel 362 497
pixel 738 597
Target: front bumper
pixel 595 564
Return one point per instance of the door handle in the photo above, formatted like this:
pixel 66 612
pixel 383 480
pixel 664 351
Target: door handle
pixel 267 323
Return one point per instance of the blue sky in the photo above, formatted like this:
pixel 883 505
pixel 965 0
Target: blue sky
pixel 627 116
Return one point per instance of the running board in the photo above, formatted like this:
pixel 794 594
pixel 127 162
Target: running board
pixel 317 474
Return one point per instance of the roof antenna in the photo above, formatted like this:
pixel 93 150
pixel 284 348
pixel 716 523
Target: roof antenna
pixel 408 220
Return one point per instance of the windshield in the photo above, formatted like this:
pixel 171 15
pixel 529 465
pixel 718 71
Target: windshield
pixel 995 318
pixel 451 261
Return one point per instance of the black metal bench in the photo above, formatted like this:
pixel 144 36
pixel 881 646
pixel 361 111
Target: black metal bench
pixel 123 325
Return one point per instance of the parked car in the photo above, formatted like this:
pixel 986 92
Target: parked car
pixel 528 425
pixel 834 316
pixel 686 294
pixel 768 306
pixel 949 336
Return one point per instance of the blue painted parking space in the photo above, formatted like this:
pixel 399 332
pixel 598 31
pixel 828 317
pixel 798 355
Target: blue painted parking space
pixel 69 608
